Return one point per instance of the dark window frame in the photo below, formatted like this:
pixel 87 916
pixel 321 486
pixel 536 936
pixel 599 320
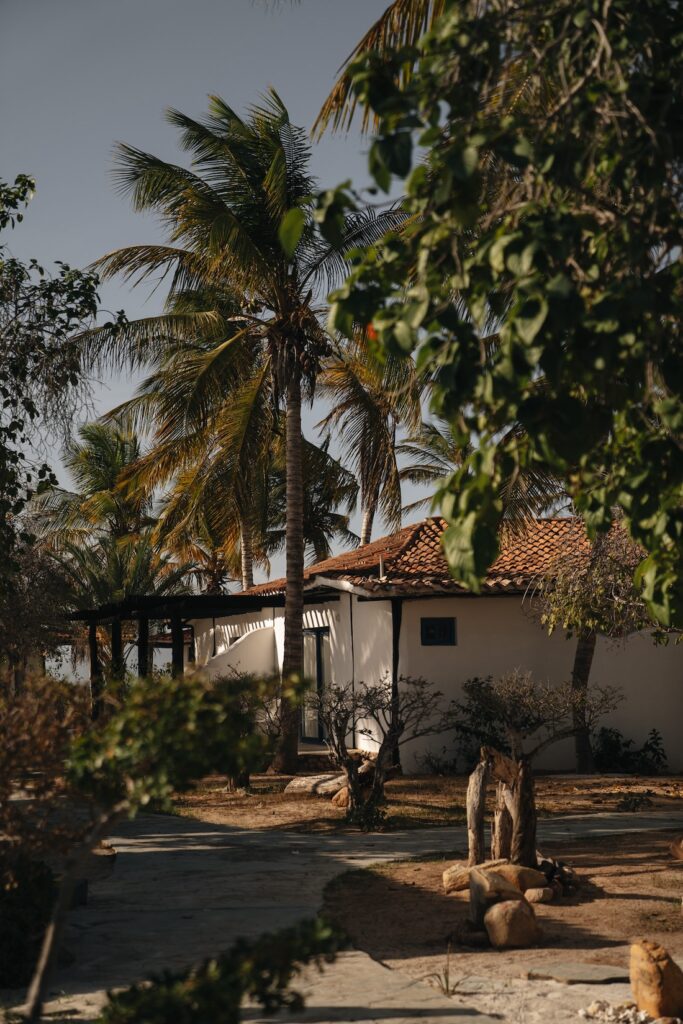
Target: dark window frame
pixel 444 628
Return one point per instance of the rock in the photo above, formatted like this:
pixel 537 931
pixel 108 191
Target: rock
pixel 487 887
pixel 341 799
pixel 329 782
pixel 456 878
pixel 676 848
pixel 656 981
pixel 523 878
pixel 512 924
pixel 544 895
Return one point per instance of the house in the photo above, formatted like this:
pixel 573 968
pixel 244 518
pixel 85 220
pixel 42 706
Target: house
pixel 391 609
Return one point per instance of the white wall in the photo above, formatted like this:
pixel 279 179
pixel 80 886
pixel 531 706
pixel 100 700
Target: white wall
pixel 497 634
pixel 494 635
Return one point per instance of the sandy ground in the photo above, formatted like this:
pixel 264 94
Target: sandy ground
pixel 418 801
pixel 630 888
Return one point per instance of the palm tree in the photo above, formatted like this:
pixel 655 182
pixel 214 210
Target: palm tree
pixel 101 505
pixel 401 24
pixel 371 400
pixel 436 451
pixel 223 219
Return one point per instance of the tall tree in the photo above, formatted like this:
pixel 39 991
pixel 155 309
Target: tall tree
pixel 551 199
pixel 250 178
pixel 41 376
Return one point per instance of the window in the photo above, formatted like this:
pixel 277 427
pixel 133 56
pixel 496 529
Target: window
pixel 438 632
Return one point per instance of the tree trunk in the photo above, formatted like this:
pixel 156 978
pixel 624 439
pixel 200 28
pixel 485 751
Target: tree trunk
pixel 247 556
pixel 583 660
pixel 476 810
pixel 366 523
pixel 96 681
pixel 523 847
pixel 117 665
pixel 501 832
pixel 287 754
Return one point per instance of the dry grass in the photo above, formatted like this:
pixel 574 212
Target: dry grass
pixel 415 801
pixel 629 888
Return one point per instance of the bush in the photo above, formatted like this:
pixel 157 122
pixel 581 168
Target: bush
pixel 27 894
pixel 612 752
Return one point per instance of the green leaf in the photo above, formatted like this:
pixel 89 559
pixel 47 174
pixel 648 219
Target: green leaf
pixel 291 229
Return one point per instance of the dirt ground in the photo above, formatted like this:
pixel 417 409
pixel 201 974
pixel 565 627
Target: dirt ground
pixel 420 801
pixel 630 888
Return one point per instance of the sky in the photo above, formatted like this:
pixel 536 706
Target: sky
pixel 76 76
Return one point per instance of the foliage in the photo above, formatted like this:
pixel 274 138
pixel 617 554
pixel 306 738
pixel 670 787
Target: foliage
pixel 105 503
pixel 507 712
pixel 41 377
pixel 591 589
pixel 371 399
pixel 612 752
pixel 548 210
pixel 27 892
pixel 32 612
pixel 38 723
pixel 386 716
pixel 261 970
pixel 169 732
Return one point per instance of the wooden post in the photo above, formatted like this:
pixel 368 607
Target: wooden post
pixel 191 653
pixel 177 646
pixel 143 647
pixel 476 810
pixel 501 832
pixel 523 847
pixel 116 650
pixel 96 686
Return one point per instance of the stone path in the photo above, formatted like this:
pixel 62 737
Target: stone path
pixel 183 890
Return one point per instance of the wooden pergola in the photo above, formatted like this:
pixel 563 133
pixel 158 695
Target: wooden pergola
pixel 174 610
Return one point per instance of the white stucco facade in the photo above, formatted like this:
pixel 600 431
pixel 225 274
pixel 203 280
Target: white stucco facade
pixel 494 634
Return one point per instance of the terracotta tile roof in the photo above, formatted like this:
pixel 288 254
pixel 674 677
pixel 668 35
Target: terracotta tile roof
pixel 414 562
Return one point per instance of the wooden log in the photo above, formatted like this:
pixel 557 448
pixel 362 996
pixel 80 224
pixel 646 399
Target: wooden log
pixel 523 846
pixel 476 810
pixel 501 831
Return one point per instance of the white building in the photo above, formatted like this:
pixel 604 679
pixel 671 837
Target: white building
pixel 391 609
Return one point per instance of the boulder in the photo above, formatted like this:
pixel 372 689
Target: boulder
pixel 544 895
pixel 523 878
pixel 676 848
pixel 512 924
pixel 316 785
pixel 487 887
pixel 656 981
pixel 456 878
pixel 341 799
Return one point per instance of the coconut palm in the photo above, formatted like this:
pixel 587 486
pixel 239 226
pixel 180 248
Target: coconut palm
pixel 436 451
pixel 101 504
pixel 223 219
pixel 371 401
pixel 401 24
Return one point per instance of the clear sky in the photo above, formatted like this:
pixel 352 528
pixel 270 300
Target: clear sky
pixel 78 75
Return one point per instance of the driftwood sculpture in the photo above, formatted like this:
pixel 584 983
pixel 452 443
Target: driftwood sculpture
pixel 514 823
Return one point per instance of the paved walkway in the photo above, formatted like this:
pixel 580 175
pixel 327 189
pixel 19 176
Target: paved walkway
pixel 183 890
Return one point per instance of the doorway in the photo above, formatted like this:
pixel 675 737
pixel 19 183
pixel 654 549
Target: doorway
pixel 317 672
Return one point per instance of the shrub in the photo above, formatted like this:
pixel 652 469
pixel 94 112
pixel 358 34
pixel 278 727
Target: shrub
pixel 613 752
pixel 27 894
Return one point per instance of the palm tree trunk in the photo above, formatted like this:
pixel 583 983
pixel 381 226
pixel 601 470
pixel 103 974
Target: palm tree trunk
pixel 366 523
pixel 286 757
pixel 583 660
pixel 247 556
